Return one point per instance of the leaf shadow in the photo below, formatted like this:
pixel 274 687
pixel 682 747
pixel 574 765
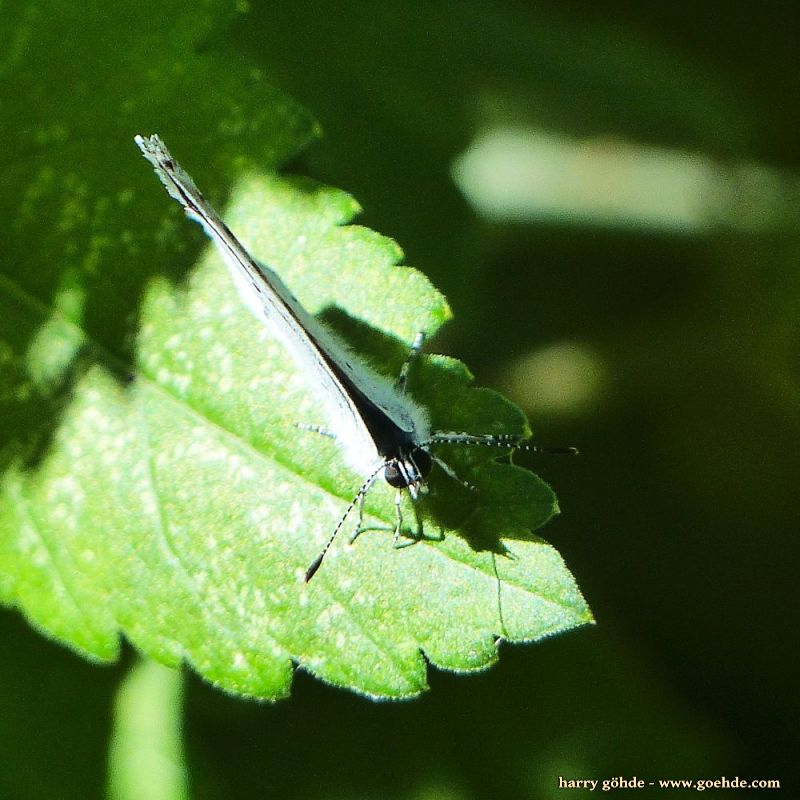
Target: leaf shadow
pixel 100 262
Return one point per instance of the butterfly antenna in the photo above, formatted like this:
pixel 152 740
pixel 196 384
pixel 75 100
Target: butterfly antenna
pixel 317 562
pixel 496 440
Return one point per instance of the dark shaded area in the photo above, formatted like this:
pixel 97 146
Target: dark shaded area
pixel 55 717
pixel 683 497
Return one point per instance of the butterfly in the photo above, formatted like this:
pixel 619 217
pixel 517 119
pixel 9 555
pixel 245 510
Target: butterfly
pixel 381 429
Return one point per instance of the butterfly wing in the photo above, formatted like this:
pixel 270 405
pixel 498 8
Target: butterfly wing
pixel 330 369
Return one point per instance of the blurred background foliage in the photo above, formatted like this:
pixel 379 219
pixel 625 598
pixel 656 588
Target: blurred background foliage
pixel 607 194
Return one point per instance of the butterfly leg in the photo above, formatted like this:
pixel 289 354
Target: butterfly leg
pixel 412 538
pixel 402 380
pixel 398 499
pixel 359 519
pixel 398 541
pixel 362 528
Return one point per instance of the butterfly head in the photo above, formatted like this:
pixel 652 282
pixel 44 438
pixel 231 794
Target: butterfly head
pixel 409 471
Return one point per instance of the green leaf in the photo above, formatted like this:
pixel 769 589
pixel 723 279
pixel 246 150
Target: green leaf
pixel 182 508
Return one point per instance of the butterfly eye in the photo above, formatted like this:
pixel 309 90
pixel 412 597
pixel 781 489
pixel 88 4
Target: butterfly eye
pixel 395 476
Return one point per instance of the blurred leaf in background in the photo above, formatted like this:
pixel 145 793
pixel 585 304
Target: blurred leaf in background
pixel 680 513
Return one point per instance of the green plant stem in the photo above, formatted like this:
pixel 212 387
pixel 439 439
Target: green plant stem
pixel 146 759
